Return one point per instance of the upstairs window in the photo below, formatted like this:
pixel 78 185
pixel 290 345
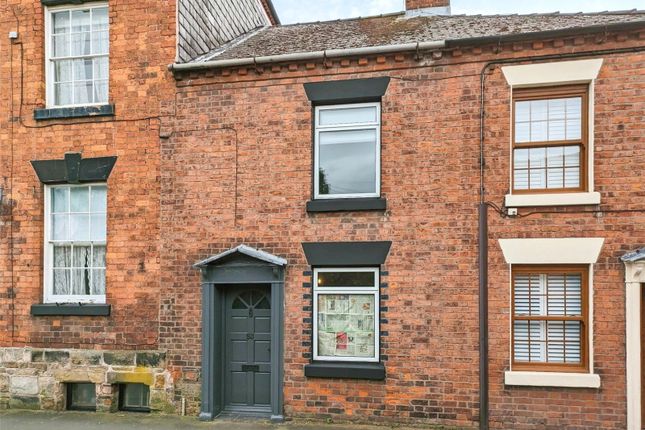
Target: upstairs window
pixel 550 318
pixel 75 248
pixel 346 309
pixel 347 151
pixel 550 139
pixel 77 60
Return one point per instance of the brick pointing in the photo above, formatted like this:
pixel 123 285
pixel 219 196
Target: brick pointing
pixel 245 177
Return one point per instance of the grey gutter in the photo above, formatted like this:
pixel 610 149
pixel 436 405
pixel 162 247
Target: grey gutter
pixel 304 56
pixel 385 49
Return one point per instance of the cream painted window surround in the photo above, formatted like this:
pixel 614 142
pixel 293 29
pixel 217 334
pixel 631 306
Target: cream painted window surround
pixel 634 281
pixel 554 74
pixel 554 251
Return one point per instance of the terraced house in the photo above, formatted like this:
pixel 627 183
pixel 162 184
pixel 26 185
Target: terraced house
pixel 418 217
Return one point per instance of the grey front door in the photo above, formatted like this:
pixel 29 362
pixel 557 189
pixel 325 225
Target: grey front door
pixel 248 349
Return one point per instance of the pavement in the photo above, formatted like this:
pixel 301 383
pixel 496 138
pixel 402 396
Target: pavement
pixel 37 420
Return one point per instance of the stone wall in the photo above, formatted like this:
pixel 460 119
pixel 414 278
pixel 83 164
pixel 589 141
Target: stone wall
pixel 36 378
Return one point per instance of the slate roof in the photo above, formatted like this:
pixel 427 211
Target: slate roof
pixel 246 250
pixel 398 28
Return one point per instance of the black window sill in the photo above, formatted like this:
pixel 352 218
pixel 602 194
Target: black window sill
pixel 73 112
pixel 71 309
pixel 344 205
pixel 372 371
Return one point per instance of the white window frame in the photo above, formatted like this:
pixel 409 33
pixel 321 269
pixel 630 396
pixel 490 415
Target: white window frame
pixel 555 74
pixel 49 64
pixel 371 290
pixel 347 127
pixel 48 254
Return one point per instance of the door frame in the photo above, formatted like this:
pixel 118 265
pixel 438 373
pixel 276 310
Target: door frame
pixel 239 266
pixel 634 281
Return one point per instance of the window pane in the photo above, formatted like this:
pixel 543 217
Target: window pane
pixel 98 256
pixel 136 396
pixel 572 177
pixel 556 130
pixel 354 115
pixel 63 94
pixel 80 199
pixel 83 395
pixel 347 162
pixel 98 281
pixel 60 227
pixel 62 71
pixel 60 45
pixel 60 22
pixel 62 256
pixel 539 110
pixel 80 44
pixel 521 158
pixel 555 178
pixel 574 107
pixel 81 282
pixel 521 180
pixel 59 199
pixel 523 132
pixel 81 257
pixel 572 155
pixel 537 157
pixel 539 131
pixel 346 279
pixel 574 129
pixel 83 92
pixel 556 109
pixel 100 42
pixel 537 179
pixel 61 282
pixel 83 69
pixel 522 111
pixel 100 18
pixel 548 120
pixel 101 91
pixel 98 227
pixel 99 199
pixel 346 325
pixel 79 227
pixel 80 20
pixel 555 156
pixel 101 65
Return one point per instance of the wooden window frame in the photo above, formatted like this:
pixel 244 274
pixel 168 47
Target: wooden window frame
pixel 583 367
pixel 546 93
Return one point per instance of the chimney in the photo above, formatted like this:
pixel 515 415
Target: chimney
pixel 427 7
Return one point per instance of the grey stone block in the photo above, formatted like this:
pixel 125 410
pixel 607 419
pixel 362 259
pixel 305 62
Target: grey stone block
pixel 119 358
pixel 56 356
pixel 24 402
pixel 24 385
pixel 151 359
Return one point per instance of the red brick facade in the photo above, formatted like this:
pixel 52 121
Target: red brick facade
pixel 142 44
pixel 245 177
pixel 221 158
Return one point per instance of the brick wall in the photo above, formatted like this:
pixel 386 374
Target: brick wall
pixel 141 47
pixel 238 170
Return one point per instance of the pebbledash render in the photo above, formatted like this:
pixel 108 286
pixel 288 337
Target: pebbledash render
pixel 411 218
